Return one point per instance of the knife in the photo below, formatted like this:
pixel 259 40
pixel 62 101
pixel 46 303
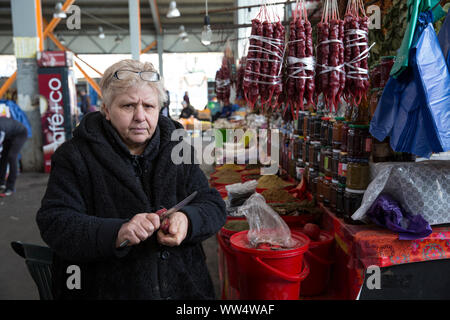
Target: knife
pixel 164 213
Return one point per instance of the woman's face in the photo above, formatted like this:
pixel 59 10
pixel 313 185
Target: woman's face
pixel 134 114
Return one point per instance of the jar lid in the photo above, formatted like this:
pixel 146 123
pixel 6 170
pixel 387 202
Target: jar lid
pixel 328 178
pixel 325 118
pixel 354 191
pixel 335 181
pixel 336 150
pixel 339 118
pixel 341 185
pixel 387 57
pixel 359 126
pixel 343 153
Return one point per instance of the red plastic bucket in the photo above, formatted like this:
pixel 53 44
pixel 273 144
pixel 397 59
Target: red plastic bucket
pixel 319 258
pixel 270 274
pixel 229 269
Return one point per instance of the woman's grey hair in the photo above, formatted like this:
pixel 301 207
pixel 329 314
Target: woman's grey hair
pixel 111 87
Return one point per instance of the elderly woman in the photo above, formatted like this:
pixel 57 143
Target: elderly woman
pixel 105 186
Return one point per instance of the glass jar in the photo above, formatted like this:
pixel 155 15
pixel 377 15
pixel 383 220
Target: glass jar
pixel 326 189
pixel 306 124
pixel 359 141
pixel 299 147
pixel 299 169
pixel 352 201
pixel 319 191
pixel 342 168
pixel 333 194
pixel 300 122
pixel 312 174
pixel 358 174
pixel 311 122
pixel 305 153
pixel 317 126
pixel 337 132
pixel 335 164
pixel 322 159
pixel 314 154
pixel 381 151
pixel 345 127
pixel 324 131
pixel 330 132
pixel 327 159
pixel 340 199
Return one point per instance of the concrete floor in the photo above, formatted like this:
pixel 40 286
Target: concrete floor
pixel 17 222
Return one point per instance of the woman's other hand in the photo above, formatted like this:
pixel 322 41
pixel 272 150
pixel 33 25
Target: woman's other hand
pixel 178 227
pixel 138 229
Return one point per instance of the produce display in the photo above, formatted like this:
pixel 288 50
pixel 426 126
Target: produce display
pixel 272 182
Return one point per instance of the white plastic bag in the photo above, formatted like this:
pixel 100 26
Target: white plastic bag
pixel 266 226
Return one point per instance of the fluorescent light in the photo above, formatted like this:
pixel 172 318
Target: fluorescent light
pixel 173 11
pixel 59 12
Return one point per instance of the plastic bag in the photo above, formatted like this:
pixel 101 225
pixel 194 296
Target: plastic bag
pixel 420 187
pixel 266 226
pixel 387 212
pixel 238 193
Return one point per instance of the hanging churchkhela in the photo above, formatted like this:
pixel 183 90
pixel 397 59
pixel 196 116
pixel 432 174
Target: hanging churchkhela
pixel 263 78
pixel 356 52
pixel 330 73
pixel 300 61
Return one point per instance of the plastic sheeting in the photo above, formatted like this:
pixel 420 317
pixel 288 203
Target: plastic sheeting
pixel 420 187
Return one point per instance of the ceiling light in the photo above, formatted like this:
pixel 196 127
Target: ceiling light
pixel 101 34
pixel 207 32
pixel 173 11
pixel 59 12
pixel 183 33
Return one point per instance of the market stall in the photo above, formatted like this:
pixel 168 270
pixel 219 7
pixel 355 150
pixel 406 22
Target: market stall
pixel 323 108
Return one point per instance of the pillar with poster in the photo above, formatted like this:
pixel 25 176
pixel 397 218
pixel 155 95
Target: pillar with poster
pixel 58 105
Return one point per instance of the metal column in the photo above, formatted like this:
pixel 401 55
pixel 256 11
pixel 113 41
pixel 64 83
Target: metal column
pixel 135 28
pixel 28 39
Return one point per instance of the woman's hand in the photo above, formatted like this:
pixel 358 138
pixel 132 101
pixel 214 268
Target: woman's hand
pixel 178 227
pixel 138 229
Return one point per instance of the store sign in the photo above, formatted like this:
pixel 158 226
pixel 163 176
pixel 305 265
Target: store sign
pixel 52 115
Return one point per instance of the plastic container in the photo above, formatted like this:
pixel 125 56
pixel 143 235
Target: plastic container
pixel 333 194
pixel 270 274
pixel 358 174
pixel 299 169
pixel 381 151
pixel 314 154
pixel 327 159
pixel 359 141
pixel 320 258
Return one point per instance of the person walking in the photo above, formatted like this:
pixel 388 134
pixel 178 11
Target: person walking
pixel 15 135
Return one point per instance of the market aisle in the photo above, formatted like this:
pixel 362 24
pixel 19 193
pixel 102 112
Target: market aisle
pixel 17 222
